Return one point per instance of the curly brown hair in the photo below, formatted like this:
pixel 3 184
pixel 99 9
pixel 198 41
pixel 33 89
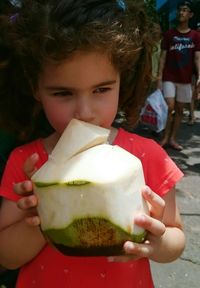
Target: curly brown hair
pixel 54 30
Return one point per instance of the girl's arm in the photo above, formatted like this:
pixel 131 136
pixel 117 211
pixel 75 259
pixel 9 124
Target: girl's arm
pixel 19 241
pixel 171 244
pixel 20 236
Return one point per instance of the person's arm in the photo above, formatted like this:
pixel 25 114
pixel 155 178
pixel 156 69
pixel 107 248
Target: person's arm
pixel 19 242
pixel 20 236
pixel 161 67
pixel 197 64
pixel 171 245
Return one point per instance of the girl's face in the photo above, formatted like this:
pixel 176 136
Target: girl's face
pixel 85 87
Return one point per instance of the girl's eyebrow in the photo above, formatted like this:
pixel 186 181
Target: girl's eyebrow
pixel 104 83
pixel 62 87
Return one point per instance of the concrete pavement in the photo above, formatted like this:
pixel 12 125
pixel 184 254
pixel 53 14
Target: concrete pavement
pixel 185 272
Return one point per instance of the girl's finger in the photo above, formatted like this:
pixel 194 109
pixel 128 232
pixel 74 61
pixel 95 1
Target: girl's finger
pixel 138 250
pixel 33 220
pixel 30 165
pixel 157 204
pixel 27 202
pixel 152 225
pixel 23 188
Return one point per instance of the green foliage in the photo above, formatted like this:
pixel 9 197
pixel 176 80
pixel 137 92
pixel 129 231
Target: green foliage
pixel 151 10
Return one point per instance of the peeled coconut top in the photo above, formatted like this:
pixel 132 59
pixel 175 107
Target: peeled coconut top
pixel 81 150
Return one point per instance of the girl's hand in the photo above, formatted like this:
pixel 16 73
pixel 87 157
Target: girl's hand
pixel 152 223
pixel 28 202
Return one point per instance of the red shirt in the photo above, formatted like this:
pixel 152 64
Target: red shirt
pixel 52 269
pixel 180 49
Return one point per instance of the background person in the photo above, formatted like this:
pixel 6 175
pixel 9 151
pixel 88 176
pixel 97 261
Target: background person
pixel 195 93
pixel 180 51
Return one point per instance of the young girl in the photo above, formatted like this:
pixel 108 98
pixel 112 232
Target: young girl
pixel 83 59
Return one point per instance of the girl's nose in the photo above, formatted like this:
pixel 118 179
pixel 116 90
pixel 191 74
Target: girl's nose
pixel 84 111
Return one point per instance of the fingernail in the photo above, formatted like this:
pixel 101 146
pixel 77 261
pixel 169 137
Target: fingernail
pixel 147 191
pixel 140 217
pixel 129 246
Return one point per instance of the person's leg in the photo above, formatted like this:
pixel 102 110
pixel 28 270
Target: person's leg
pixel 192 103
pixel 191 115
pixel 184 95
pixel 176 124
pixel 169 90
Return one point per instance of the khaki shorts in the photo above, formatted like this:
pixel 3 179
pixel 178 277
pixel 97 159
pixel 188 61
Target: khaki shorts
pixel 182 92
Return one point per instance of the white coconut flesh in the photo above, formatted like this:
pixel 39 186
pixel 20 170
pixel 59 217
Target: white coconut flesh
pixel 90 199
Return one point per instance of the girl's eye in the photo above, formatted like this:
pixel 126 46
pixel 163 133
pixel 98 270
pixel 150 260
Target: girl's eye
pixel 102 90
pixel 62 93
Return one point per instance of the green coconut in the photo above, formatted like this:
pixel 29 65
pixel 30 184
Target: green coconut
pixel 89 192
